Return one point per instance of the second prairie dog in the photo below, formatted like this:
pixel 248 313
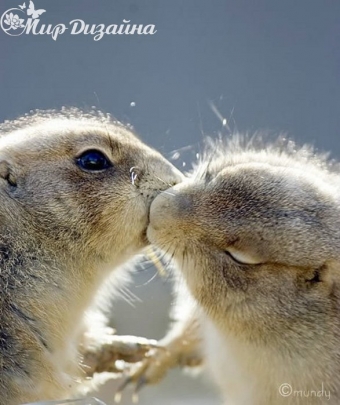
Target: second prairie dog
pixel 256 234
pixel 75 192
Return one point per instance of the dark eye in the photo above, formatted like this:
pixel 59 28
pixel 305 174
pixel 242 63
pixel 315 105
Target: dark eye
pixel 93 161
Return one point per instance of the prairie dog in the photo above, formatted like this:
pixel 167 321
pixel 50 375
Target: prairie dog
pixel 255 232
pixel 75 192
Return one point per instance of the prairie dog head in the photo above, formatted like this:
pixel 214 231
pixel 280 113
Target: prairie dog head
pixel 256 234
pixel 81 183
pixel 75 192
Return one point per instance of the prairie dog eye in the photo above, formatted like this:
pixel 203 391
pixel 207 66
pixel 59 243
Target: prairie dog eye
pixel 242 257
pixel 93 161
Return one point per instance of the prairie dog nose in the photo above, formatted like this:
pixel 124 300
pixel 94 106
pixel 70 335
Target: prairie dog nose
pixel 168 207
pixel 158 173
pixel 172 175
pixel 169 175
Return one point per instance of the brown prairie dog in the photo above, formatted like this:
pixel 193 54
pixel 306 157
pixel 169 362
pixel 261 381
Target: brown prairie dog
pixel 255 232
pixel 75 192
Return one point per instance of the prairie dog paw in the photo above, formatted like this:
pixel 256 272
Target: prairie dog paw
pixel 109 352
pixel 156 363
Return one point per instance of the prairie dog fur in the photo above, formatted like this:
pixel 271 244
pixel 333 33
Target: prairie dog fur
pixel 75 191
pixel 255 232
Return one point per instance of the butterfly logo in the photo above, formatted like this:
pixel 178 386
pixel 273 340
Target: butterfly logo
pixel 32 11
pixel 14 20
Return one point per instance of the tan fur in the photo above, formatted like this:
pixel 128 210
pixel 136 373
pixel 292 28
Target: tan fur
pixel 62 230
pixel 275 322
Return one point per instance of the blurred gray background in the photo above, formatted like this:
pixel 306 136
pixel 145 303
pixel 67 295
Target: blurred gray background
pixel 267 64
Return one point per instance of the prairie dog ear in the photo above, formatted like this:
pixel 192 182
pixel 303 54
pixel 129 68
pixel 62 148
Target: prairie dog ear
pixel 7 174
pixel 331 272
